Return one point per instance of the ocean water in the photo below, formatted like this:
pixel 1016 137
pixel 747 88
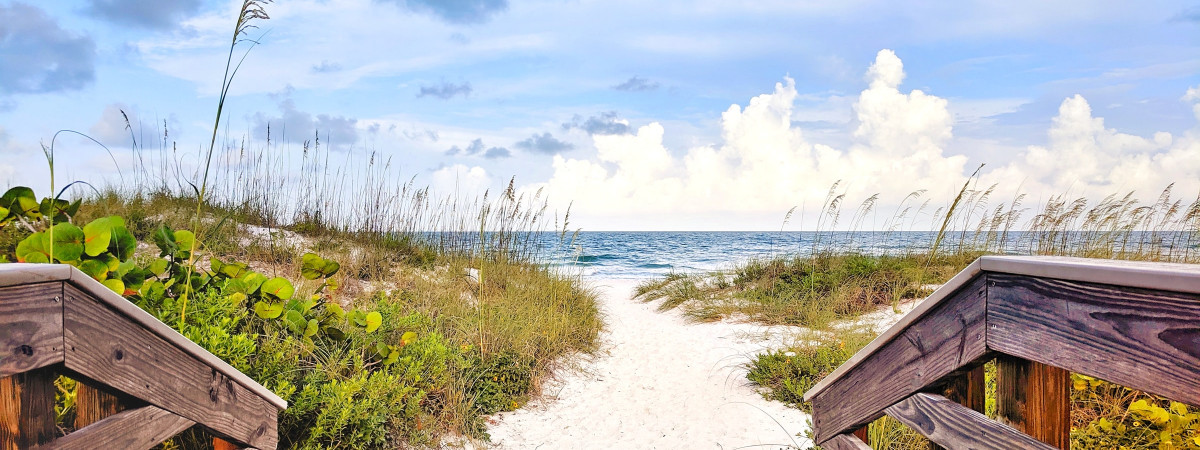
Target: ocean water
pixel 648 254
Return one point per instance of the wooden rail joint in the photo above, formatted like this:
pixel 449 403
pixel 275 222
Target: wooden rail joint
pixel 139 382
pixel 1041 318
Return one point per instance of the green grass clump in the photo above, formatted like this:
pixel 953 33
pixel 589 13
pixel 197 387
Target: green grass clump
pixel 786 374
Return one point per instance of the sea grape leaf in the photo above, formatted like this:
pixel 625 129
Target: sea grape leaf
pixel 116 285
pixel 158 267
pixel 312 328
pixel 295 321
pixel 373 321
pixel 408 337
pixel 21 201
pixel 335 309
pixel 33 249
pixel 334 333
pixel 95 269
pixel 279 288
pixel 154 289
pixel 96 236
pixel 254 281
pixel 358 317
pixel 123 244
pixel 68 242
pixel 164 238
pixel 313 266
pixel 268 310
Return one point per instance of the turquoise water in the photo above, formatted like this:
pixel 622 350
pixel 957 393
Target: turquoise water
pixel 646 254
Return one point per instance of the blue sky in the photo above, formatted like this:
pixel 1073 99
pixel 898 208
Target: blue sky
pixel 647 115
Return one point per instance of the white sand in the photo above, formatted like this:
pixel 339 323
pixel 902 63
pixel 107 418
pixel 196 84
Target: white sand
pixel 658 382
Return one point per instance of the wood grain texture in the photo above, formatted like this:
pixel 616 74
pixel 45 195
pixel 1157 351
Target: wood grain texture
pixel 966 389
pixel 952 425
pixel 1034 398
pixel 93 403
pixel 1143 339
pixel 135 429
pixel 221 444
pixel 27 409
pixel 31 321
pixel 104 345
pixel 945 339
pixel 845 442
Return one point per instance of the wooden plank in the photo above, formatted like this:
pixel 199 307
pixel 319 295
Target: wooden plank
pixel 221 444
pixel 966 389
pixel 1034 398
pixel 93 403
pixel 862 433
pixel 1153 275
pixel 951 425
pixel 27 409
pixel 14 274
pixel 845 442
pixel 1142 339
pixel 946 339
pixel 31 318
pixel 941 295
pixel 135 429
pixel 106 346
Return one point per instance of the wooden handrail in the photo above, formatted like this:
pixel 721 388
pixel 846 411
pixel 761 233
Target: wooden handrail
pixel 1132 323
pixel 140 381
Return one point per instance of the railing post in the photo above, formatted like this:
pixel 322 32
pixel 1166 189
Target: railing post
pixel 862 435
pixel 1034 398
pixel 966 389
pixel 27 409
pixel 94 403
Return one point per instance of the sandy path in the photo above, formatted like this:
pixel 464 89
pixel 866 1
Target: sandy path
pixel 658 382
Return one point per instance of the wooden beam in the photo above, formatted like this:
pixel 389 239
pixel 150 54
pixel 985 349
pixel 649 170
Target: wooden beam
pixel 104 345
pixel 949 424
pixel 93 403
pixel 941 342
pixel 845 442
pixel 135 429
pixel 1143 339
pixel 1034 398
pixel 31 327
pixel 966 389
pixel 27 409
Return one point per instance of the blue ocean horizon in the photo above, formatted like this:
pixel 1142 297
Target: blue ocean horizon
pixel 650 254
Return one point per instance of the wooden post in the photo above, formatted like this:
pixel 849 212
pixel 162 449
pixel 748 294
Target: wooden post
pixel 861 434
pixel 27 409
pixel 966 389
pixel 1034 398
pixel 221 444
pixel 94 403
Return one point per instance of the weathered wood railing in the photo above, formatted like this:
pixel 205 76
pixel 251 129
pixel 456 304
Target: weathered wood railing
pixel 1041 318
pixel 140 382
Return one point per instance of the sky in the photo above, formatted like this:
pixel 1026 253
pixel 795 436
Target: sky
pixel 663 115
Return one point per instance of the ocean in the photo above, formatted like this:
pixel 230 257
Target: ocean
pixel 649 254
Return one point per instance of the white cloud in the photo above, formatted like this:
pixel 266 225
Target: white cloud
pixel 1085 158
pixel 764 165
pixel 459 181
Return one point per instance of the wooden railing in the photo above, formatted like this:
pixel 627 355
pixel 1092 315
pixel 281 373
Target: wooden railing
pixel 139 381
pixel 1132 323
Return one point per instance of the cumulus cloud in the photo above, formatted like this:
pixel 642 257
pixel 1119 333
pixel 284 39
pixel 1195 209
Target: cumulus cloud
pixel 1084 157
pixel 154 14
pixel 292 123
pixel 764 163
pixel 637 84
pixel 459 180
pixel 543 143
pixel 36 55
pixel 445 90
pixel 476 147
pixel 460 12
pixel 605 123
